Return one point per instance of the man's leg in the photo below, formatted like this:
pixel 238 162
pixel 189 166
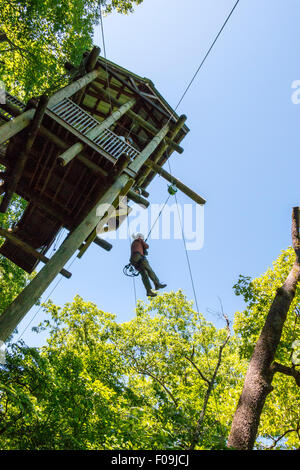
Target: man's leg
pixel 151 274
pixel 138 263
pixel 145 280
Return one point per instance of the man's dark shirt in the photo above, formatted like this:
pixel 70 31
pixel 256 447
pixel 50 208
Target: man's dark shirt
pixel 138 246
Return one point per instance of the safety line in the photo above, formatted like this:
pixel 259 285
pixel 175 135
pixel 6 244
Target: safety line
pixel 205 57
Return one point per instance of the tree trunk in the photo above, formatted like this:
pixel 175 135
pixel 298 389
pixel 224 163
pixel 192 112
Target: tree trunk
pixel 258 380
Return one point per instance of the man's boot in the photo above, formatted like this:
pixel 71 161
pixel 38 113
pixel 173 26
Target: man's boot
pixel 160 286
pixel 150 293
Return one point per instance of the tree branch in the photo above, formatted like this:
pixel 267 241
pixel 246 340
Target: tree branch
pixel 290 371
pixel 197 369
pixel 196 434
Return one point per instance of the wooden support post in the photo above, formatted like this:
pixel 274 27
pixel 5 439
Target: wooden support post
pixel 28 249
pixel 108 214
pixel 137 118
pixel 189 192
pixel 162 148
pixel 21 161
pixel 92 58
pixel 90 63
pixel 69 154
pixel 32 292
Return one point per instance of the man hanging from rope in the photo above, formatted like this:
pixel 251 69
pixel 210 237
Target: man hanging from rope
pixel 138 259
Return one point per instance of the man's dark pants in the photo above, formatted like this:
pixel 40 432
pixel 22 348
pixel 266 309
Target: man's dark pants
pixel 141 263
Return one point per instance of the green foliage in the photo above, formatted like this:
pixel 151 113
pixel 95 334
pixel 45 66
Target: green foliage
pixel 142 384
pixel 38 37
pixel 258 295
pixel 98 384
pixel 281 411
pixel 12 278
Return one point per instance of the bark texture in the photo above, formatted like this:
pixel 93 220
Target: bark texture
pixel 258 380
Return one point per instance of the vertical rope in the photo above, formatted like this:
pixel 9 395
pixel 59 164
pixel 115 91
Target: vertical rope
pixel 104 50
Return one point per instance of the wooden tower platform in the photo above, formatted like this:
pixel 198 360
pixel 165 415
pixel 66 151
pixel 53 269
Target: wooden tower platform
pixel 101 138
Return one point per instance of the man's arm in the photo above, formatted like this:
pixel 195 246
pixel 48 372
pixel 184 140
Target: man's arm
pixel 145 245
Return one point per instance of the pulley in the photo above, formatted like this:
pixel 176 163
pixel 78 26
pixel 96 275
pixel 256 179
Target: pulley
pixel 172 189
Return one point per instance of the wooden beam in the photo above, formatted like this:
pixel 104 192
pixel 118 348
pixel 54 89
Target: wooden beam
pixel 28 249
pixel 21 161
pixel 108 214
pixel 189 192
pixel 90 64
pixel 137 198
pixel 103 243
pixel 69 154
pixel 11 128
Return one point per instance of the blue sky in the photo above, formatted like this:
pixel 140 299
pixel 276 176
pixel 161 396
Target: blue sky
pixel 241 155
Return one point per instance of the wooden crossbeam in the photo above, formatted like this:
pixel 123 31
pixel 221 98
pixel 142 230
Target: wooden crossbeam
pixel 28 249
pixel 189 192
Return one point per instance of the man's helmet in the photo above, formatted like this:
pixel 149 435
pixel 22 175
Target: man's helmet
pixel 138 235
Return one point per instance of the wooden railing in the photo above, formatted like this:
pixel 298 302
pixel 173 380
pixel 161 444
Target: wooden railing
pixel 15 101
pixel 83 122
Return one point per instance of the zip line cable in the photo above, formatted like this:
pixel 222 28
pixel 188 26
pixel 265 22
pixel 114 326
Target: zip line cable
pixel 160 212
pixel 204 59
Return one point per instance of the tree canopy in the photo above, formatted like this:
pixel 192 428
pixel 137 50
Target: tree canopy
pixel 142 384
pixel 38 37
